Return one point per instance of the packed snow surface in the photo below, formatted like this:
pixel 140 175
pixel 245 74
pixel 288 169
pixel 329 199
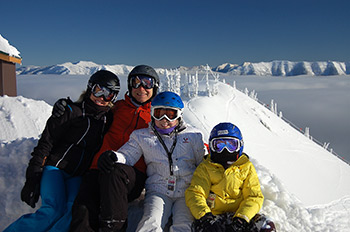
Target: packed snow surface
pixel 306 188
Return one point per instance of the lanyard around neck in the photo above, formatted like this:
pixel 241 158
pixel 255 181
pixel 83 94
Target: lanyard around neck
pixel 171 168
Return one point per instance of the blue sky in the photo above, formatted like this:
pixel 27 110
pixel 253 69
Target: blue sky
pixel 165 33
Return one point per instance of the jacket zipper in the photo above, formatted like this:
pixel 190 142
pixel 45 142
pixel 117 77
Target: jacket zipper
pixel 64 155
pixel 101 139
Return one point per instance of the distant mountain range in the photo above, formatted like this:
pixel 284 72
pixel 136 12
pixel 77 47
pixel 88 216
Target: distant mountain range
pixel 273 68
pixel 287 68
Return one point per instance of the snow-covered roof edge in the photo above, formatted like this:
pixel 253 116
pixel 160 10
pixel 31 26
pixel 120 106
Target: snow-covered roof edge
pixel 9 52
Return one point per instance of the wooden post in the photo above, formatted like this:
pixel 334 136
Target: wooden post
pixel 8 84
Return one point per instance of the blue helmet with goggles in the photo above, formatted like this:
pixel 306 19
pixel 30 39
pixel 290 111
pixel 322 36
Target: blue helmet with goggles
pixel 225 143
pixel 104 84
pixel 167 105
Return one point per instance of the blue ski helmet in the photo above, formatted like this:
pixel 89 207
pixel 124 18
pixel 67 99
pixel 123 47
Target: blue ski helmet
pixel 168 99
pixel 226 129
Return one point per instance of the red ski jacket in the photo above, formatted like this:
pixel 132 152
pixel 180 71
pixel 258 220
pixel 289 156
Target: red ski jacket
pixel 126 118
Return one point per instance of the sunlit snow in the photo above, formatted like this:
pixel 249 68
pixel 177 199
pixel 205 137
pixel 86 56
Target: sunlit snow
pixel 306 188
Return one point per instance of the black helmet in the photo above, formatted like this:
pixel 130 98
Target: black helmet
pixel 144 70
pixel 105 79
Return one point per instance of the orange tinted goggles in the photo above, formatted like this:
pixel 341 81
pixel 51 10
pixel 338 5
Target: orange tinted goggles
pixel 171 114
pixel 104 92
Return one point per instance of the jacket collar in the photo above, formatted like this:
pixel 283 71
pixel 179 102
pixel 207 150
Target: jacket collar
pixel 179 128
pixel 133 104
pixel 90 108
pixel 136 102
pixel 244 158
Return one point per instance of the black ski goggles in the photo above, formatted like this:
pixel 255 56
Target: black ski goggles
pixel 146 82
pixel 101 91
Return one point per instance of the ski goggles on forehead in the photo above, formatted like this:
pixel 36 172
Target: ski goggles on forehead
pixel 107 94
pixel 171 114
pixel 230 143
pixel 145 81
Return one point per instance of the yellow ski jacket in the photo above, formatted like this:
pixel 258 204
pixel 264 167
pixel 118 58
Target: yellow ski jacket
pixel 214 189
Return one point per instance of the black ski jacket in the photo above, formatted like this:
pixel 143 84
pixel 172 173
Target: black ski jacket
pixel 71 141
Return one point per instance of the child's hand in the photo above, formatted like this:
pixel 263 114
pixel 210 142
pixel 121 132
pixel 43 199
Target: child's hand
pixel 208 223
pixel 238 225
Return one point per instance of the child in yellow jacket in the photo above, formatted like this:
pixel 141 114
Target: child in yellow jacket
pixel 225 193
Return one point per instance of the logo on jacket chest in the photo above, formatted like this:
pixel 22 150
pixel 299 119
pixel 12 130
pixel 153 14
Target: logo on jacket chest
pixel 185 140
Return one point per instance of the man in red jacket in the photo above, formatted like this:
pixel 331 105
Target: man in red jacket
pixel 129 114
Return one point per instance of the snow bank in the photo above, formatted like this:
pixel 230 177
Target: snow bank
pixel 292 177
pixel 22 117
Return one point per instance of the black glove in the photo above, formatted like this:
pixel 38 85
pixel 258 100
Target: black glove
pixel 31 190
pixel 106 161
pixel 238 225
pixel 59 107
pixel 208 223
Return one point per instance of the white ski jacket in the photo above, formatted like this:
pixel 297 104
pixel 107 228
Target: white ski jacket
pixel 187 155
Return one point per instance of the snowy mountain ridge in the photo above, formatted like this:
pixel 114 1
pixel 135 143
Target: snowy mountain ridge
pixel 77 68
pixel 287 68
pixel 273 68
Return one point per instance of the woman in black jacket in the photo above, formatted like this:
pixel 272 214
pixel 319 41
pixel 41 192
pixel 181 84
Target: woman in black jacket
pixel 64 152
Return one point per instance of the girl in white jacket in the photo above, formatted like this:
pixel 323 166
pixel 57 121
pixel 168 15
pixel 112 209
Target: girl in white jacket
pixel 172 150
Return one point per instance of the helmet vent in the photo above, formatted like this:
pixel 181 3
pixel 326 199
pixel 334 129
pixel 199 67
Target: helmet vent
pixel 222 132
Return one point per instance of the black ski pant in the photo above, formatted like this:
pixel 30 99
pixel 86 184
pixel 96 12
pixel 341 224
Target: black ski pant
pixel 122 185
pixel 86 207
